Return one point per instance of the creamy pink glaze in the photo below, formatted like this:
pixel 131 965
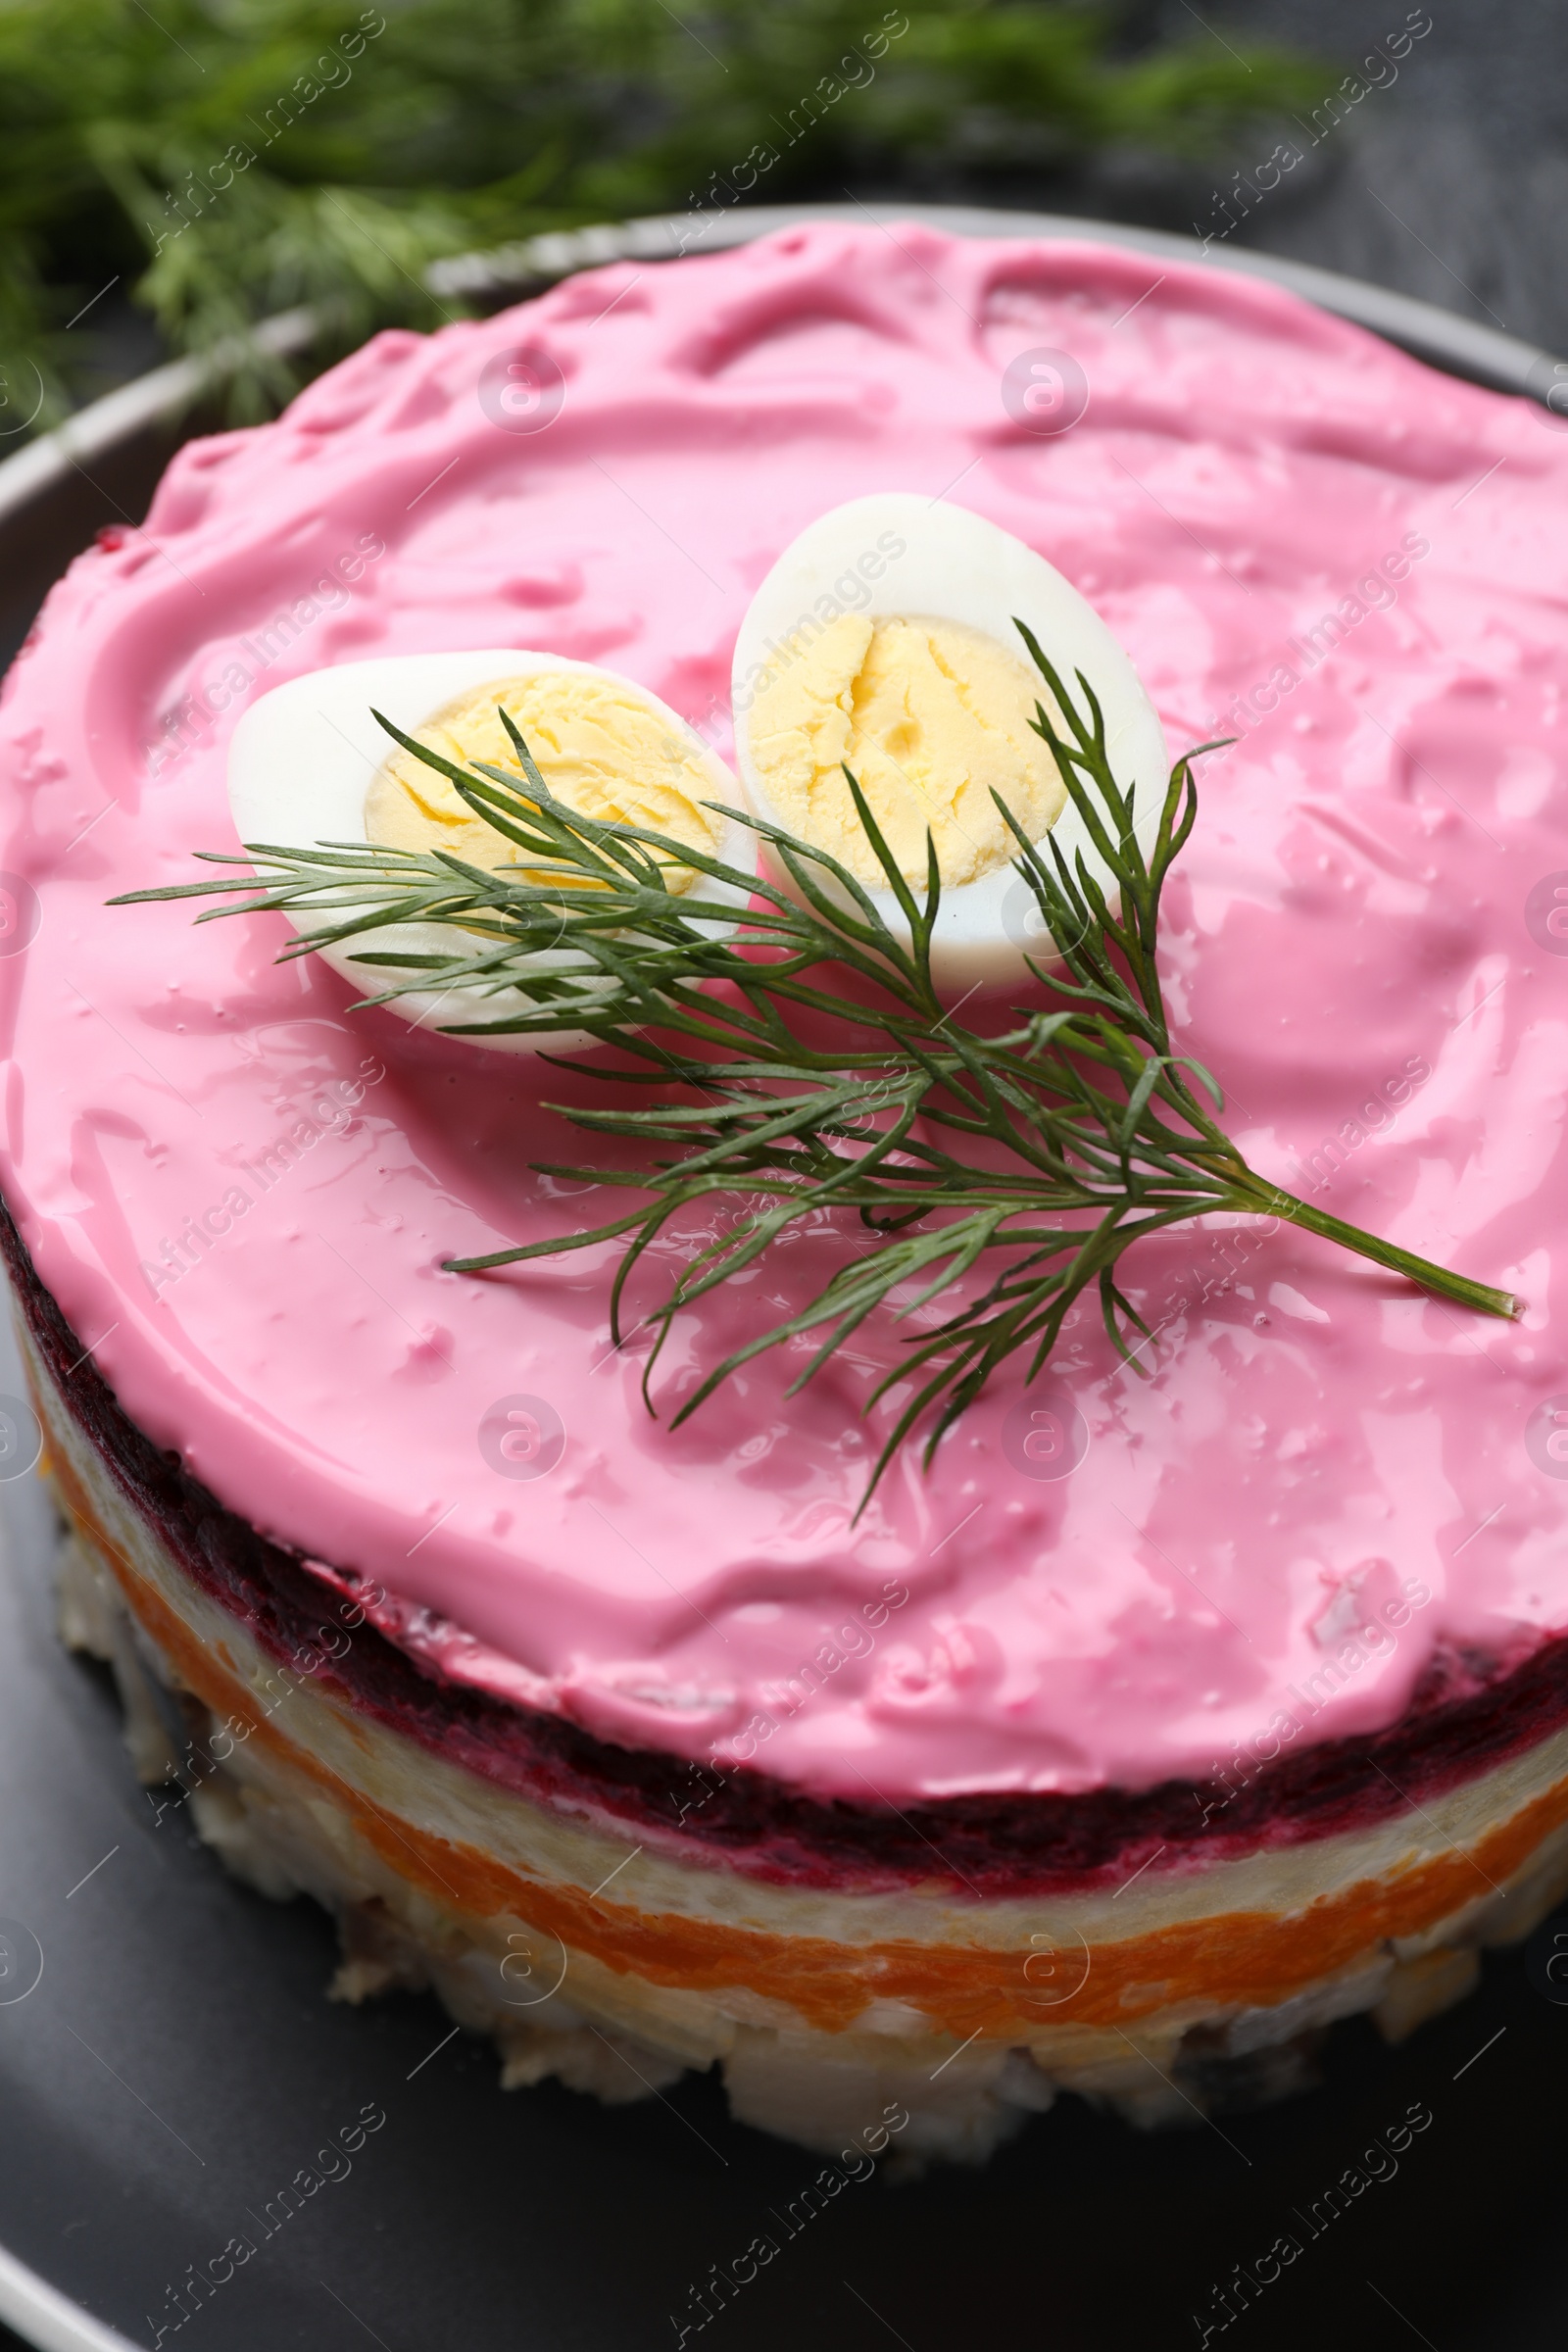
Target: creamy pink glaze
pixel 1352 900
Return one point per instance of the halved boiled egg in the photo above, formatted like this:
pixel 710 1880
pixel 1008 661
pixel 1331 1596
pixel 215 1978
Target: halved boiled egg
pixel 309 765
pixel 884 638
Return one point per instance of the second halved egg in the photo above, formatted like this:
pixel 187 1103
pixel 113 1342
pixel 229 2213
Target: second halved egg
pixel 884 640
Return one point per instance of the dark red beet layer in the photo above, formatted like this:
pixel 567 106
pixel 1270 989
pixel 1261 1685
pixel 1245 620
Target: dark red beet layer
pixel 1467 1716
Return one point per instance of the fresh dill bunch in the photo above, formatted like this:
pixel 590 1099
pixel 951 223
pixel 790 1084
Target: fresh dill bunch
pixel 224 162
pixel 1030 1158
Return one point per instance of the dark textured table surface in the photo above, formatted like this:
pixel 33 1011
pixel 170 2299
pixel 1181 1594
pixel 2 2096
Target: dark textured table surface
pixel 1447 181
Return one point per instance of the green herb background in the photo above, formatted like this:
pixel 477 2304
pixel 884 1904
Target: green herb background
pixel 465 124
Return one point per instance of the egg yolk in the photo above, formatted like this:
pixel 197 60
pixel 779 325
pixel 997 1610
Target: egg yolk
pixel 598 745
pixel 931 716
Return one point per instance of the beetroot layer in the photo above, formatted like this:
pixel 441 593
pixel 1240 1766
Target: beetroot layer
pixel 1467 1716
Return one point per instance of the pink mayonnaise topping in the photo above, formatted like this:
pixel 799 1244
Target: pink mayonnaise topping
pixel 241 1194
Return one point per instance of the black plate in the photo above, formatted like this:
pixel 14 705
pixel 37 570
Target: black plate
pixel 176 2067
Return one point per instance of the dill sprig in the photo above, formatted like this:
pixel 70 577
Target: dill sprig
pixel 807 1062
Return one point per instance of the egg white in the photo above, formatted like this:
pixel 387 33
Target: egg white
pixel 955 565
pixel 300 762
